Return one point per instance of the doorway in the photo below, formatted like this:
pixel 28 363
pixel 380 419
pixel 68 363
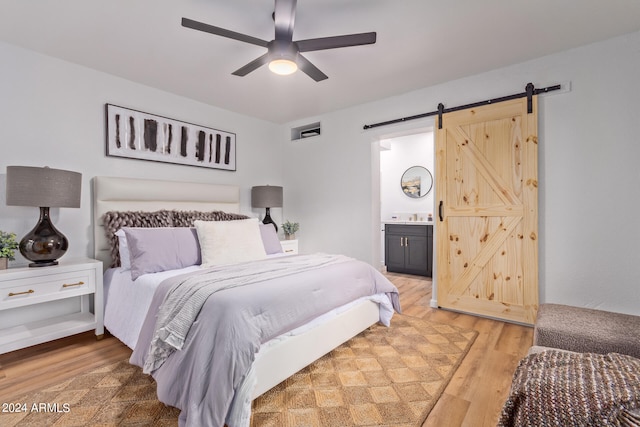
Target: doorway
pixel 393 154
pixel 397 156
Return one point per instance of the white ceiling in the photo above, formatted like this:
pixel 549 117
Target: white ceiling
pixel 420 43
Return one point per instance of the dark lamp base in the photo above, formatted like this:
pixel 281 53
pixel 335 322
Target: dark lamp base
pixel 44 244
pixel 43 263
pixel 267 219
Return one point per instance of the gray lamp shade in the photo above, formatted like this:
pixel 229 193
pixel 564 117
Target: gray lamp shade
pixel 266 196
pixel 33 186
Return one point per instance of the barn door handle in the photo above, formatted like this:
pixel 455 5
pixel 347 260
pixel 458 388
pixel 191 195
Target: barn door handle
pixel 440 211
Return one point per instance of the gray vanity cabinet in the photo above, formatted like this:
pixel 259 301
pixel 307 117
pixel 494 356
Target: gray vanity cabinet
pixel 409 249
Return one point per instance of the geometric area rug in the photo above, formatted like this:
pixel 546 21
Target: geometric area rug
pixel 382 377
pixel 118 394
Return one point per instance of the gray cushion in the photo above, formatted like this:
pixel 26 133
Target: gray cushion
pixel 586 330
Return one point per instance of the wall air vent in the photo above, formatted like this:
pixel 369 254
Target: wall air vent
pixel 306 131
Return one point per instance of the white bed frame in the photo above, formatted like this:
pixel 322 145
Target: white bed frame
pixel 277 362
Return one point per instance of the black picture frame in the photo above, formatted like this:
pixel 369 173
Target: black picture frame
pixel 138 135
pixel 416 182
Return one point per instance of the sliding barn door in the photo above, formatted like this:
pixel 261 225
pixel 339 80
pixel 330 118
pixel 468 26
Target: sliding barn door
pixel 487 225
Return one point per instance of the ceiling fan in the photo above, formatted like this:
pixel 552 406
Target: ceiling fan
pixel 283 54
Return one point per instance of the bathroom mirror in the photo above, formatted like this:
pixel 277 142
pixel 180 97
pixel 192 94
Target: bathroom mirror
pixel 416 182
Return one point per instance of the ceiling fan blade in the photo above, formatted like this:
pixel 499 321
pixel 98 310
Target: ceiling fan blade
pixel 251 66
pixel 311 70
pixel 336 42
pixel 200 26
pixel 284 17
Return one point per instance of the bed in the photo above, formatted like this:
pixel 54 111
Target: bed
pixel 127 314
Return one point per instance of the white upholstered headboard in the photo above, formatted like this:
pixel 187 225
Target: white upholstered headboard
pixel 133 194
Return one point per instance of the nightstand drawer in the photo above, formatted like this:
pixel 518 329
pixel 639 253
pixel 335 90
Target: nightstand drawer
pixel 32 290
pixel 290 247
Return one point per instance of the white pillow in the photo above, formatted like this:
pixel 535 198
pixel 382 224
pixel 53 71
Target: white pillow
pixel 123 250
pixel 229 242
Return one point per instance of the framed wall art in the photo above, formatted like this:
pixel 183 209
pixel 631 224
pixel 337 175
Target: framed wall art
pixel 139 135
pixel 416 182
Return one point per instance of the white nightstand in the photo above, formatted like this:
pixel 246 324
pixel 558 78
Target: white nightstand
pixel 22 289
pixel 289 246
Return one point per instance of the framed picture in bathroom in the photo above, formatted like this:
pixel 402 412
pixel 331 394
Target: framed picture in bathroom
pixel 416 182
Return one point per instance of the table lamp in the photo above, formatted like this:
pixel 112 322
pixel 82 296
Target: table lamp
pixel 267 196
pixel 44 188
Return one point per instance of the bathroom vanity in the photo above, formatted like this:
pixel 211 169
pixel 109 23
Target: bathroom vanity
pixel 409 247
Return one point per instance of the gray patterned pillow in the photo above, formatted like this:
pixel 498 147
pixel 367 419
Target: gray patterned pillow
pixel 115 220
pixel 186 218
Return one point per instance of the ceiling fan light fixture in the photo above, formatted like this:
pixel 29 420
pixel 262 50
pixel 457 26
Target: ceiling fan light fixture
pixel 283 53
pixel 283 57
pixel 283 66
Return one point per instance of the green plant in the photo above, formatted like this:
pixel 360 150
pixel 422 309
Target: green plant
pixel 290 227
pixel 8 245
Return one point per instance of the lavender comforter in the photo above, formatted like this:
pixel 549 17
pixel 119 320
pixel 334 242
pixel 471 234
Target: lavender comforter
pixel 203 378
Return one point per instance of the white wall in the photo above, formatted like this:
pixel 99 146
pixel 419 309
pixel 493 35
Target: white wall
pixel 328 187
pixel 403 153
pixel 589 151
pixel 52 114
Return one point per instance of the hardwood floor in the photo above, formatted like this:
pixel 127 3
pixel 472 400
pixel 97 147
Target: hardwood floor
pixel 474 397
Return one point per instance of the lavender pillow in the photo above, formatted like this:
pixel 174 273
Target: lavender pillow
pixel 115 220
pixel 159 249
pixel 270 239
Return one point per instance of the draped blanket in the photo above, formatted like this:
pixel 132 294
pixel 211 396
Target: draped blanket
pixel 188 294
pixel 203 329
pixel 559 388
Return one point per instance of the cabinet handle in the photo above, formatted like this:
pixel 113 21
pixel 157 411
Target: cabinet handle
pixel 401 241
pixel 406 241
pixel 13 294
pixel 440 211
pixel 68 285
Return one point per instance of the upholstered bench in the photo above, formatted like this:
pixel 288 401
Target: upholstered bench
pixel 563 381
pixel 587 330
